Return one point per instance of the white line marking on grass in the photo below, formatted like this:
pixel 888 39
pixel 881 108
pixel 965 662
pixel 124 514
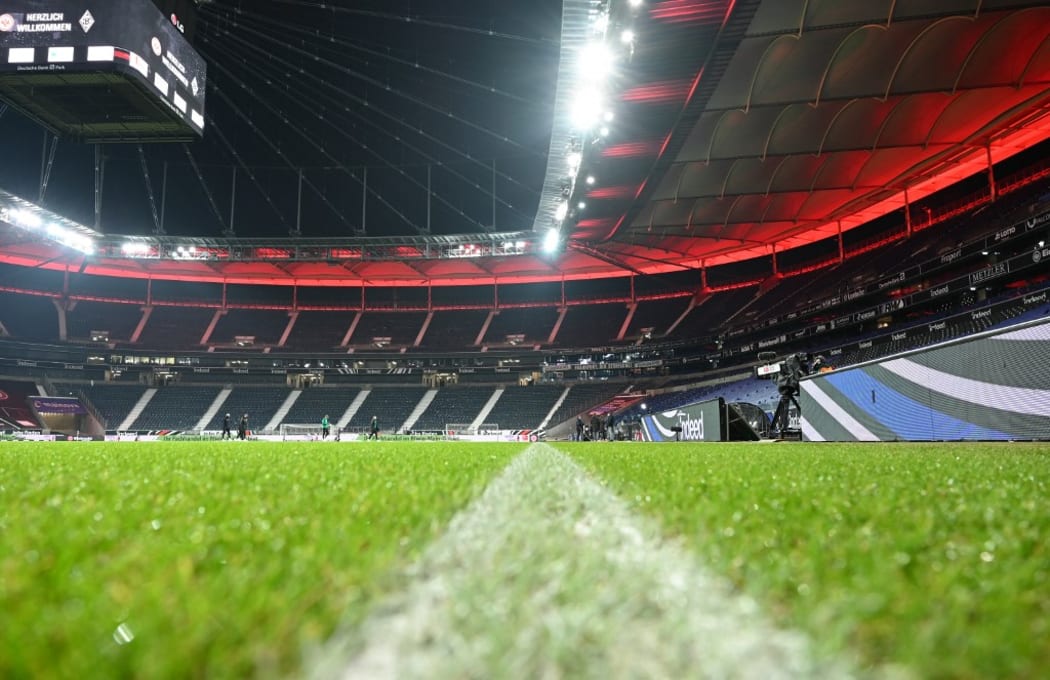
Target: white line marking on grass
pixel 549 575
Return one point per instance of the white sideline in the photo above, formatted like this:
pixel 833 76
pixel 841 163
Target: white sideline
pixel 549 575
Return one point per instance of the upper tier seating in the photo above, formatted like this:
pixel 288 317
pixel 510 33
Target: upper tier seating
pixel 87 316
pixel 401 327
pixel 655 314
pixel 265 325
pixel 319 331
pixel 175 327
pixel 454 329
pixel 535 323
pixel 591 324
pixel 29 317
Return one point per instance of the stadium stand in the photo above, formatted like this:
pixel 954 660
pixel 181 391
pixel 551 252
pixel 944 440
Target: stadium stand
pixel 456 404
pixel 400 327
pixel 265 325
pixel 656 314
pixel 533 323
pixel 88 316
pixel 319 331
pixel 315 402
pixel 454 329
pixel 177 408
pixel 392 405
pixel 175 327
pixel 260 403
pixel 14 410
pixel 29 317
pixel 585 324
pixel 524 408
pixel 703 319
pixel 583 396
pixel 113 402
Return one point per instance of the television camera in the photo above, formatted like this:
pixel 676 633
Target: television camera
pixel 792 369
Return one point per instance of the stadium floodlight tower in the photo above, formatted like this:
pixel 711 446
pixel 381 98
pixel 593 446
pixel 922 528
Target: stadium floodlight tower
pixel 117 71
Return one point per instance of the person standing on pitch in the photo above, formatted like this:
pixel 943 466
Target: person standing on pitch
pixel 373 429
pixel 242 427
pixel 226 433
pixel 325 429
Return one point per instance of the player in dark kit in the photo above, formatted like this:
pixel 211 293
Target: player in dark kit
pixel 242 427
pixel 226 433
pixel 373 430
pixel 325 429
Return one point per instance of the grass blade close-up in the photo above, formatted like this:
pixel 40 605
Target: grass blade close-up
pixel 209 559
pixel 930 557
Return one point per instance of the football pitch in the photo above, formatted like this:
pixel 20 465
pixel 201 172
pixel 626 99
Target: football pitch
pixel 449 559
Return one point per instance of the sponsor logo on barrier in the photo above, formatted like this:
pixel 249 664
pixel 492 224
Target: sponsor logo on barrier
pixel 820 328
pixel 201 369
pixel 899 336
pixel 1034 222
pixel 864 316
pixel 886 283
pixel 1005 233
pixel 989 273
pixel 835 352
pixel 762 344
pixel 940 326
pixel 934 292
pixel 26 364
pixel 981 315
pixel 73 367
pixel 865 345
pixel 750 347
pixel 692 424
pixel 1038 255
pixel 1030 300
pixel 854 294
pixel 241 371
pixel 952 256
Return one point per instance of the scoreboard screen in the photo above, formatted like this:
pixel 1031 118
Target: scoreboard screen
pixel 132 37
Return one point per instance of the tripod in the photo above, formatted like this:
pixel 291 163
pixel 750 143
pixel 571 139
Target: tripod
pixel 781 419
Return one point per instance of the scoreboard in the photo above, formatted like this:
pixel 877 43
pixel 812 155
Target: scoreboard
pixel 60 60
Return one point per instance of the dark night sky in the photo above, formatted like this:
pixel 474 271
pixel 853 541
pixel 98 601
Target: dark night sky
pixel 397 86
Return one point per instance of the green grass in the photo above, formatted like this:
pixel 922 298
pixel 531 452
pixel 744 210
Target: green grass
pixel 933 557
pixel 209 559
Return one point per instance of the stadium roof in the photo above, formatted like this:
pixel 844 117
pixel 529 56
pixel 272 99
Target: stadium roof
pixel 736 128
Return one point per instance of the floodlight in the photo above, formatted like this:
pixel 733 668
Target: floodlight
pixel 587 109
pixel 581 205
pixel 627 37
pixel 590 179
pixel 596 60
pixel 551 240
pixel 574 159
pixel 561 211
